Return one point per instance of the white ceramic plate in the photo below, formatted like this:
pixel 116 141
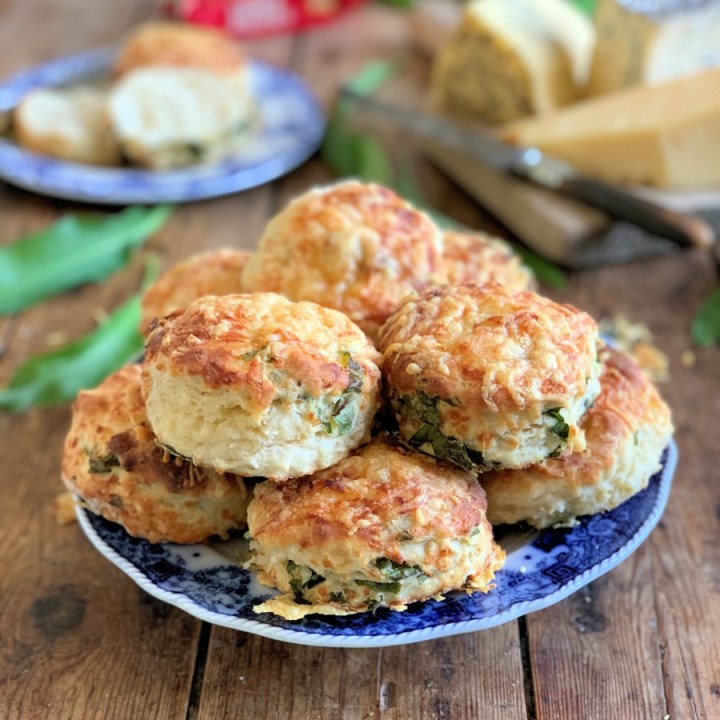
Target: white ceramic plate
pixel 543 567
pixel 288 129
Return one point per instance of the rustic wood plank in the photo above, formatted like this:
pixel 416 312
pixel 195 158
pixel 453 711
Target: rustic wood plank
pixel 462 677
pixel 630 645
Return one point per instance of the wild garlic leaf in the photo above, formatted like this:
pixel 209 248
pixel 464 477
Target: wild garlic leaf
pixel 560 428
pixel 57 376
pixel 77 249
pixel 396 571
pixel 705 328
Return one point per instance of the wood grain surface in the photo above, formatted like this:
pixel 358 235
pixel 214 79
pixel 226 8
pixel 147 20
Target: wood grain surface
pixel 79 640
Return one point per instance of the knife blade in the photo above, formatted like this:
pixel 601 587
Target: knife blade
pixel 534 166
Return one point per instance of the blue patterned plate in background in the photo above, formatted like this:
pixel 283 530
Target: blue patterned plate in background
pixel 288 129
pixel 543 567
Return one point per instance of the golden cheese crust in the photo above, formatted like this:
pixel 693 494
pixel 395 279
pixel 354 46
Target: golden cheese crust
pixel 259 385
pixel 216 272
pixel 627 430
pixel 479 258
pixel 355 247
pixel 386 526
pixel 112 462
pixel 181 45
pixel 488 378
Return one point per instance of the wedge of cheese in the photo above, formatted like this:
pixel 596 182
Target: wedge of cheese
pixel 651 42
pixel 666 135
pixel 514 58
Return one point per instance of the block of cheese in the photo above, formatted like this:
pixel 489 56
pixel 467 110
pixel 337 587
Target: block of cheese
pixel 650 42
pixel 511 59
pixel 666 135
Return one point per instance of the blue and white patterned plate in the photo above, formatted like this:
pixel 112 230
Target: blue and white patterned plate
pixel 542 568
pixel 289 128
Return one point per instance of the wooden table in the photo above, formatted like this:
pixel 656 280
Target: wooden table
pixel 79 640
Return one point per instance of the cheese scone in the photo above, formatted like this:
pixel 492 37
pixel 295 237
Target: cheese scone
pixel 216 272
pixel 67 123
pixel 166 116
pixel 626 431
pixel 479 258
pixel 355 247
pixel 177 44
pixel 114 464
pixel 384 527
pixel 486 378
pixel 260 386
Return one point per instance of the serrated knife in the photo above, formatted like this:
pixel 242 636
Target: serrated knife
pixel 532 165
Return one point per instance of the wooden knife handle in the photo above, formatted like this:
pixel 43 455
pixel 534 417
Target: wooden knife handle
pixel 682 228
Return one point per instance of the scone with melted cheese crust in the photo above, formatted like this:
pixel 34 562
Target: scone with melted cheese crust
pixel 112 462
pixel 384 527
pixel 355 247
pixel 216 272
pixel 479 258
pixel 259 385
pixel 626 431
pixel 175 44
pixel 486 378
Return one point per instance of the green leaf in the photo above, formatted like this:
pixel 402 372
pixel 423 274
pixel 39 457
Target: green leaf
pixel 75 250
pixel 382 587
pixel 57 376
pixel 705 328
pixel 396 571
pixel 371 76
pixel 587 6
pixel 560 427
pixel 544 270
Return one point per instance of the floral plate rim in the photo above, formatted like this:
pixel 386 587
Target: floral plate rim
pixel 304 637
pixel 278 145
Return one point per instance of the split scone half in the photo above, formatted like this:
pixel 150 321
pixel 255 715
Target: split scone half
pixel 183 95
pixel 487 378
pixel 355 247
pixel 113 463
pixel 216 272
pixel 384 527
pixel 67 123
pixel 626 430
pixel 479 258
pixel 165 117
pixel 260 386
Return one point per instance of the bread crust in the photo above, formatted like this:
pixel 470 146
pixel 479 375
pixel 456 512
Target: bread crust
pixel 626 430
pixel 355 247
pixel 383 513
pixel 507 375
pixel 258 385
pixel 113 464
pixel 216 272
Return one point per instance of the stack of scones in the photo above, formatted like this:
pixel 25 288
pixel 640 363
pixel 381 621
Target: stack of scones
pixel 367 394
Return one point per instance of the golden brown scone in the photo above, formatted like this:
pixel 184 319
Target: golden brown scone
pixel 259 385
pixel 355 247
pixel 384 527
pixel 486 378
pixel 479 258
pixel 180 45
pixel 216 272
pixel 67 123
pixel 113 463
pixel 626 430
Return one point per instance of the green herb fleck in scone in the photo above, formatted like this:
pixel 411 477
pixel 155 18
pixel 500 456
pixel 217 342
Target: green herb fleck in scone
pixel 384 527
pixel 488 379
